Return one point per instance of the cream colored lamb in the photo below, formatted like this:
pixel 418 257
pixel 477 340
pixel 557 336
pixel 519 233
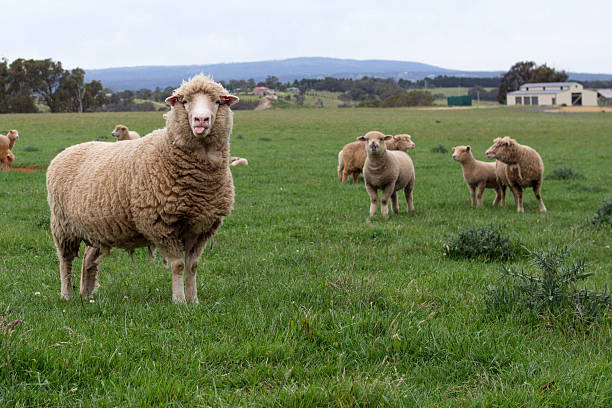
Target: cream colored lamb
pixel 352 157
pixel 239 161
pixel 12 135
pixel 169 190
pixel 386 170
pixel 121 132
pixel 518 166
pixel 6 155
pixel 478 175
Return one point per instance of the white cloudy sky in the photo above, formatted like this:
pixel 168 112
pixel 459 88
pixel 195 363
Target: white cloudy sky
pixel 467 34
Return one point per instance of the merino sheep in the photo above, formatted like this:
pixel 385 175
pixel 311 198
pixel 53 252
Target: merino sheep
pixel 517 166
pixel 388 171
pixel 121 132
pixel 239 161
pixel 6 155
pixel 169 190
pixel 352 157
pixel 13 135
pixel 478 175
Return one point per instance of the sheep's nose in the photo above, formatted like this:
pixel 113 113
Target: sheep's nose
pixel 202 119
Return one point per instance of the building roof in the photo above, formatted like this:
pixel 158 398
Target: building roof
pixel 606 93
pixel 536 92
pixel 540 84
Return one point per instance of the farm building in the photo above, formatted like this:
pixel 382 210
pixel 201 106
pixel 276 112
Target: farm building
pixel 605 96
pixel 552 93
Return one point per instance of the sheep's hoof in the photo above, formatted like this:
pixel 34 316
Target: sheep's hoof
pixel 179 299
pixel 66 296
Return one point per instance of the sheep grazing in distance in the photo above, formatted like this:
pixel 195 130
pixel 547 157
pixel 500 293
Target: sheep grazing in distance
pixel 478 175
pixel 6 155
pixel 169 190
pixel 239 161
pixel 517 166
pixel 386 170
pixel 121 132
pixel 352 157
pixel 13 135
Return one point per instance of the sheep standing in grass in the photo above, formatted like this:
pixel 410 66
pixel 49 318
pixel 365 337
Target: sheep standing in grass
pixel 518 166
pixel 169 190
pixel 121 132
pixel 352 157
pixel 6 155
pixel 12 135
pixel 388 171
pixel 478 175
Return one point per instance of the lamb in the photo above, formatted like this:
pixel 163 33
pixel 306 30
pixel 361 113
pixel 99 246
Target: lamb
pixel 169 190
pixel 478 175
pixel 6 155
pixel 388 171
pixel 517 166
pixel 121 132
pixel 352 157
pixel 13 135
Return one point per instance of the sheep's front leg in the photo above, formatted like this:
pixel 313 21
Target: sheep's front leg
pixel 384 199
pixel 193 251
pixel 177 266
pixel 373 199
pixel 481 188
pixel 92 258
pixel 517 192
pixel 497 196
pixel 472 194
pixel 394 205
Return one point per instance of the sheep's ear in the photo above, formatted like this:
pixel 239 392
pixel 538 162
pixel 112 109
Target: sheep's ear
pixel 171 100
pixel 229 100
pixel 387 137
pixel 362 138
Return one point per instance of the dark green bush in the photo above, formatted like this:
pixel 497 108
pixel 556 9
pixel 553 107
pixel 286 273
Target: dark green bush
pixel 603 215
pixel 487 242
pixel 564 173
pixel 31 149
pixel 439 149
pixel 551 292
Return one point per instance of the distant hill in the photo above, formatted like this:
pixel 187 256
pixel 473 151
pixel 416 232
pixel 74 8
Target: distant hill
pixel 286 70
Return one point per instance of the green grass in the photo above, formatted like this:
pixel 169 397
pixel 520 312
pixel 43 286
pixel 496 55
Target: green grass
pixel 303 302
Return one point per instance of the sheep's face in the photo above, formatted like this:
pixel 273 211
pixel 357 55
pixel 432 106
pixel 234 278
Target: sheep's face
pixel 6 158
pixel 120 130
pixel 461 153
pixel 403 142
pixel 13 135
pixel 201 110
pixel 500 145
pixel 375 142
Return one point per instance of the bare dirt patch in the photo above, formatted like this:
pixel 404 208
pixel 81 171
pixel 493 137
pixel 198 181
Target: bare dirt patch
pixel 581 109
pixel 24 169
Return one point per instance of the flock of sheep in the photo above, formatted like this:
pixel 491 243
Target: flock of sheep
pixel 386 166
pixel 172 188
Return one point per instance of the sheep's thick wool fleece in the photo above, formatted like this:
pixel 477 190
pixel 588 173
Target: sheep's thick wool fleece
pixel 155 190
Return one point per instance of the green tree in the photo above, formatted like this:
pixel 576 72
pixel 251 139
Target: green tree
pixel 527 72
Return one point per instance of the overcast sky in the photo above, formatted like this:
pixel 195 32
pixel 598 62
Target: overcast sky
pixel 469 35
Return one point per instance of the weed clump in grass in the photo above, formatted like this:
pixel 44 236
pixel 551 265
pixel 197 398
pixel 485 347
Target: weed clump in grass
pixel 564 173
pixel 486 242
pixel 553 292
pixel 30 149
pixel 439 149
pixel 603 215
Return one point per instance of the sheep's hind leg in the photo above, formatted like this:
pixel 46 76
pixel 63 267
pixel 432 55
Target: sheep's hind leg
pixel 536 191
pixel 66 252
pixel 481 188
pixel 408 193
pixel 92 258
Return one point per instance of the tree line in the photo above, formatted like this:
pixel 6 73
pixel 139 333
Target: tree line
pixel 26 82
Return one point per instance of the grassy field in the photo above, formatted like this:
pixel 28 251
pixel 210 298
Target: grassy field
pixel 303 302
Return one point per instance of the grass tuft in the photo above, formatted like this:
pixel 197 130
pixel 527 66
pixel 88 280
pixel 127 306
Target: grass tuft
pixel 439 149
pixel 564 173
pixel 487 243
pixel 603 215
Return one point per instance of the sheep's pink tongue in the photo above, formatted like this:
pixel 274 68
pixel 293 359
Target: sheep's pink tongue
pixel 199 130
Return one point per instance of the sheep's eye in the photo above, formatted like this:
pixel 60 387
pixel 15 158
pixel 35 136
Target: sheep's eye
pixel 218 102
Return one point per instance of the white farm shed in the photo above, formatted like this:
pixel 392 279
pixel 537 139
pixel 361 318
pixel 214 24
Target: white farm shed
pixel 552 93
